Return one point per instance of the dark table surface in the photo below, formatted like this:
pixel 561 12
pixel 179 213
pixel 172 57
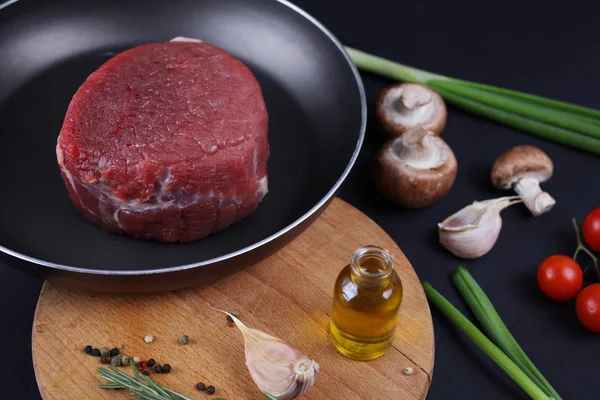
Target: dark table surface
pixel 547 48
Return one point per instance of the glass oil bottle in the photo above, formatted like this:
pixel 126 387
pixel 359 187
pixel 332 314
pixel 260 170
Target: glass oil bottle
pixel 366 299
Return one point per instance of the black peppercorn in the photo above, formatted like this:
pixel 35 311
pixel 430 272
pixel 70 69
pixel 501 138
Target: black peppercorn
pixel 147 373
pixel 114 352
pixel 88 349
pixel 95 352
pixel 210 389
pixel 151 362
pixel 166 368
pixel 200 386
pixel 158 369
pixel 104 360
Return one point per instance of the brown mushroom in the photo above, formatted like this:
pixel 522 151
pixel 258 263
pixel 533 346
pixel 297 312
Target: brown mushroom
pixel 523 168
pixel 405 106
pixel 415 170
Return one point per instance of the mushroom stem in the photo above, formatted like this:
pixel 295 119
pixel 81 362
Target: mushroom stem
pixel 406 106
pixel 418 150
pixel 413 136
pixel 534 198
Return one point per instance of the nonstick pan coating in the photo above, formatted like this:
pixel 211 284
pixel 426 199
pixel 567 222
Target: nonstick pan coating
pixel 317 114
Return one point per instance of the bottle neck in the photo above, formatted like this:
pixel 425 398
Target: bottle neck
pixel 371 267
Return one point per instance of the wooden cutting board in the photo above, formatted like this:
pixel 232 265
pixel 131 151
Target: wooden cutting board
pixel 287 295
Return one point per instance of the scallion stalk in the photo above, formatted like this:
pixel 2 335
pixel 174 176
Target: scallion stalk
pixel 496 330
pixel 558 121
pixel 484 344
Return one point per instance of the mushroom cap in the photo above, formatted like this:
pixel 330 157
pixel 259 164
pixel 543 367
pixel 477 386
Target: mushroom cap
pixel 404 106
pixel 521 162
pixel 414 186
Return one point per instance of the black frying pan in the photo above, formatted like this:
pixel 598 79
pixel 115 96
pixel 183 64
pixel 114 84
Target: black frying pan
pixel 314 98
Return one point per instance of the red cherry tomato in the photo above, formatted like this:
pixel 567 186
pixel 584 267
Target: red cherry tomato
pixel 591 229
pixel 560 277
pixel 587 306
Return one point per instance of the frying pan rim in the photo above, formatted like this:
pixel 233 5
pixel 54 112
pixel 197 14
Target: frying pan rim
pixel 301 219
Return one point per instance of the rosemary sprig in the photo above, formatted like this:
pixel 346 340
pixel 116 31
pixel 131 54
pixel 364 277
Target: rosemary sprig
pixel 557 121
pixel 140 385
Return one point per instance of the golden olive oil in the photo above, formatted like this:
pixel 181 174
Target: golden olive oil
pixel 366 299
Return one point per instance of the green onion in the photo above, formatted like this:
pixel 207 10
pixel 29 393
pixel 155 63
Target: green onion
pixel 495 329
pixel 489 348
pixel 560 122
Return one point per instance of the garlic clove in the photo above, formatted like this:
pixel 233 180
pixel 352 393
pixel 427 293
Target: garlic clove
pixel 473 231
pixel 276 367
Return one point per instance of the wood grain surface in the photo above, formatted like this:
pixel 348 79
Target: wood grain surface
pixel 287 295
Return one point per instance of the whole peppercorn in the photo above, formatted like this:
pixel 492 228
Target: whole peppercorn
pixel 96 353
pixel 121 346
pixel 136 360
pixel 184 339
pixel 116 361
pixel 88 349
pixel 125 360
pixel 104 360
pixel 151 362
pixel 158 369
pixel 147 373
pixel 141 366
pixel 114 352
pixel 105 351
pixel 210 389
pixel 166 368
pixel 200 386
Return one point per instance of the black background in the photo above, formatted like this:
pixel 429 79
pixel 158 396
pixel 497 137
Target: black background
pixel 546 48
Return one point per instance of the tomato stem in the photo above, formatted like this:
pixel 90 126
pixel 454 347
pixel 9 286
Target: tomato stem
pixel 581 247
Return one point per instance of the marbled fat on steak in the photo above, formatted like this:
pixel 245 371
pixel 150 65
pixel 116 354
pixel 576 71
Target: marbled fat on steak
pixel 166 141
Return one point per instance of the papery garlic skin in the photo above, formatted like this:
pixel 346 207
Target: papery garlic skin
pixel 276 367
pixel 473 231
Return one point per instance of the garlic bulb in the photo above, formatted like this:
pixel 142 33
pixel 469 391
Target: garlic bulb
pixel 277 368
pixel 473 231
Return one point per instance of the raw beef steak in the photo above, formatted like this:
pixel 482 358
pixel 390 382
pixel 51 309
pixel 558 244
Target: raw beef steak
pixel 166 141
